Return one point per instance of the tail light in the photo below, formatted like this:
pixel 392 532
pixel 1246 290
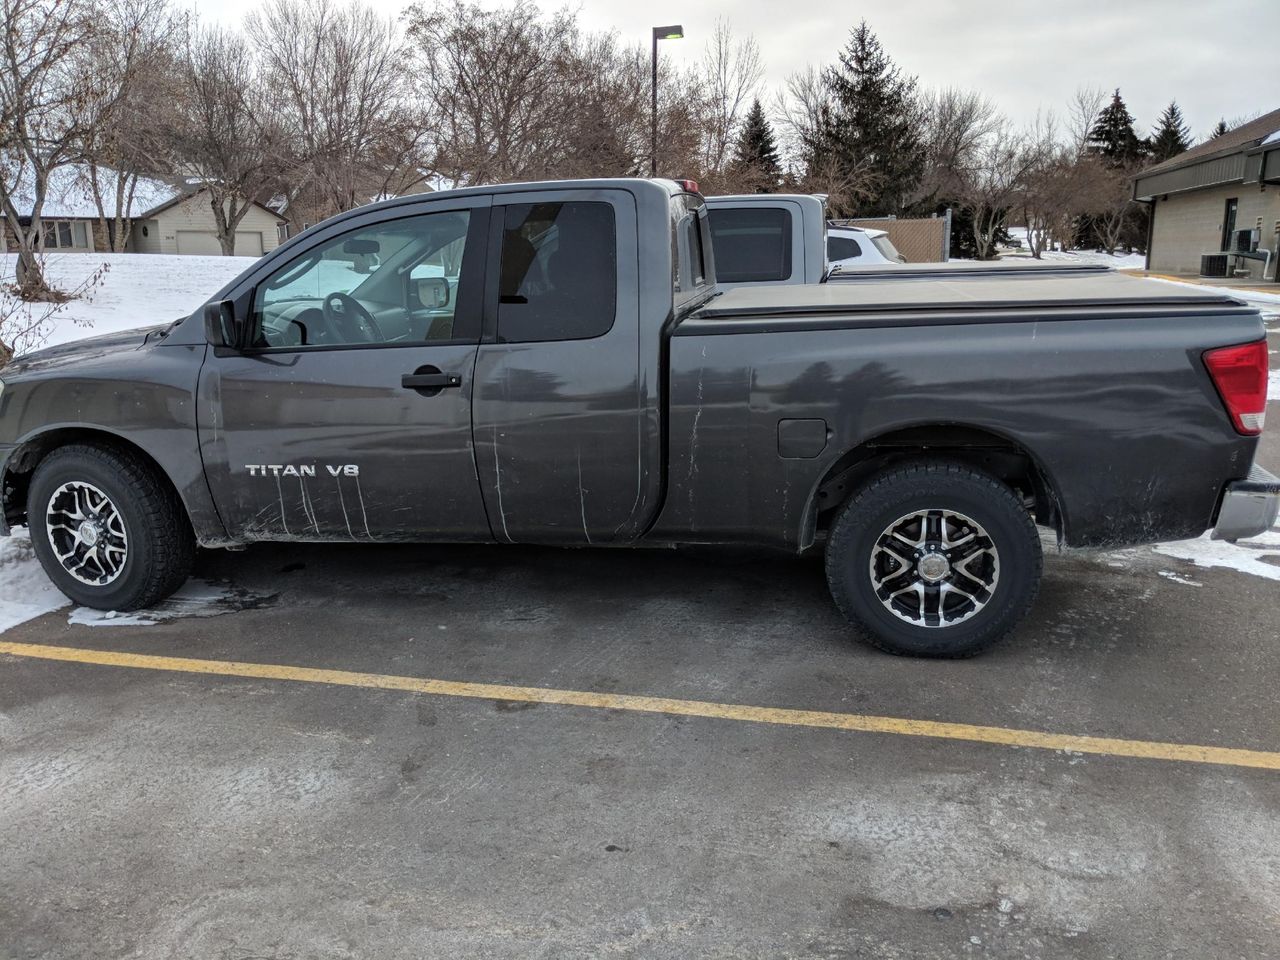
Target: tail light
pixel 691 186
pixel 1240 374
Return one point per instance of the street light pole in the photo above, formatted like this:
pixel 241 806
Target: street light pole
pixel 673 32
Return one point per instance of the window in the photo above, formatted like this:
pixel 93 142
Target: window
pixel 559 273
pixel 697 258
pixel 394 282
pixel 751 245
pixel 887 249
pixel 842 248
pixel 65 235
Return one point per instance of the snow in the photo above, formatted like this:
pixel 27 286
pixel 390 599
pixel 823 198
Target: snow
pixel 1118 261
pixel 69 194
pixel 1271 138
pixel 25 592
pixel 137 289
pixel 196 598
pixel 1247 556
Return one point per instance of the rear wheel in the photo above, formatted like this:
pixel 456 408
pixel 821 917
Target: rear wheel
pixel 934 559
pixel 109 532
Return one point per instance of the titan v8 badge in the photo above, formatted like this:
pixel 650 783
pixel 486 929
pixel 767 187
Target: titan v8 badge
pixel 301 470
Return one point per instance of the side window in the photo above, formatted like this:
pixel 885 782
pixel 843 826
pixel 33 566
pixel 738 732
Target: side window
pixel 558 278
pixel 842 248
pixel 393 282
pixel 698 260
pixel 751 245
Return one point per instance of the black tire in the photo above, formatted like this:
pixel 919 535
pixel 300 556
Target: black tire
pixel 860 536
pixel 160 548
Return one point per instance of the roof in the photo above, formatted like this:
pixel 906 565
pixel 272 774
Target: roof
pixel 1247 135
pixel 868 231
pixel 1248 154
pixel 69 195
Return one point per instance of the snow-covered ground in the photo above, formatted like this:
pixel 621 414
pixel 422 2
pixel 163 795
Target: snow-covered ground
pixel 136 290
pixel 25 592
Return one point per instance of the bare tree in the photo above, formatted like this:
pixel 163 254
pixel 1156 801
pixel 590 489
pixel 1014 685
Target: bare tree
pixel 351 129
pixel 1003 165
pixel 53 95
pixel 25 325
pixel 1111 206
pixel 223 137
pixel 119 148
pixel 956 123
pixel 516 95
pixel 729 74
pixel 1082 113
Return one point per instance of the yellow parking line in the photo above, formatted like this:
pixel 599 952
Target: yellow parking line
pixel 1148 749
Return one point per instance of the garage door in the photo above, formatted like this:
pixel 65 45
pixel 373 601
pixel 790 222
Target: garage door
pixel 205 243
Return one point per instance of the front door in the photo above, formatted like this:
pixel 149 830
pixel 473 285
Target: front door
pixel 348 417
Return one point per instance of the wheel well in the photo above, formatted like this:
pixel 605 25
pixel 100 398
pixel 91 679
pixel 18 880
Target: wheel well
pixel 22 464
pixel 998 455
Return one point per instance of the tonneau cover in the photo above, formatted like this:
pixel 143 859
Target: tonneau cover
pixel 988 299
pixel 963 269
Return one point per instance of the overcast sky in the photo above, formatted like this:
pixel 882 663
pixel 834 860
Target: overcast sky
pixel 1216 59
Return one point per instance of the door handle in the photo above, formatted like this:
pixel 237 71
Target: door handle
pixel 430 381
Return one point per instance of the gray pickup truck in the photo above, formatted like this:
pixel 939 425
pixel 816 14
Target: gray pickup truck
pixel 780 239
pixel 552 363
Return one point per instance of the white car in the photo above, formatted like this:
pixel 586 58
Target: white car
pixel 860 247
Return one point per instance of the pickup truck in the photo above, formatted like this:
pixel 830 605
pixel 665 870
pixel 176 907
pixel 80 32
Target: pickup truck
pixel 553 363
pixel 767 239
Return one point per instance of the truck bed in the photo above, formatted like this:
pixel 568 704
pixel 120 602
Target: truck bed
pixel 987 300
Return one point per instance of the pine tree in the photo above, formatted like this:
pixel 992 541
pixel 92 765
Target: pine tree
pixel 756 164
pixel 1113 137
pixel 1171 136
pixel 1219 130
pixel 870 133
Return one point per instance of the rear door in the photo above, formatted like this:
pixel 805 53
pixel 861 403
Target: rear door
pixel 348 416
pixel 559 409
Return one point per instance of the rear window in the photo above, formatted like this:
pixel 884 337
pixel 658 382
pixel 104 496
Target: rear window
pixel 751 246
pixel 559 272
pixel 842 248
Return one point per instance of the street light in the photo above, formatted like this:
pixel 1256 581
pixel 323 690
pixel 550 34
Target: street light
pixel 673 32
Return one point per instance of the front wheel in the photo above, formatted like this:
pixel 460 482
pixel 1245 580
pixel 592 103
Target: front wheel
pixel 934 559
pixel 108 530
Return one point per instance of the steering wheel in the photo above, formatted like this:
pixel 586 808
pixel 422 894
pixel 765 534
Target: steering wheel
pixel 353 321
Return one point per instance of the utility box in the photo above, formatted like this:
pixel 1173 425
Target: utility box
pixel 1213 265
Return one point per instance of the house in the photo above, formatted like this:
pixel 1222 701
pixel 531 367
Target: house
pixel 167 215
pixel 1215 209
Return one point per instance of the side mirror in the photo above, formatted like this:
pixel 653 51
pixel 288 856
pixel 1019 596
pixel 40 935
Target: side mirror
pixel 220 324
pixel 433 292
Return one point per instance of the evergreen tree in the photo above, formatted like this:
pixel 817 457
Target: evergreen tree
pixel 1171 136
pixel 1219 130
pixel 755 158
pixel 1113 137
pixel 869 135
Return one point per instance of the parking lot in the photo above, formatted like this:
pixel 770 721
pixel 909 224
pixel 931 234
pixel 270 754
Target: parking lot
pixel 332 754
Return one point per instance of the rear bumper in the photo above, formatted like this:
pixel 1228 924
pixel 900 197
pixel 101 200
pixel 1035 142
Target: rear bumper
pixel 1249 506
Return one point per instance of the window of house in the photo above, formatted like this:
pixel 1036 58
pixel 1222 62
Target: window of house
pixel 751 245
pixel 558 278
pixel 65 235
